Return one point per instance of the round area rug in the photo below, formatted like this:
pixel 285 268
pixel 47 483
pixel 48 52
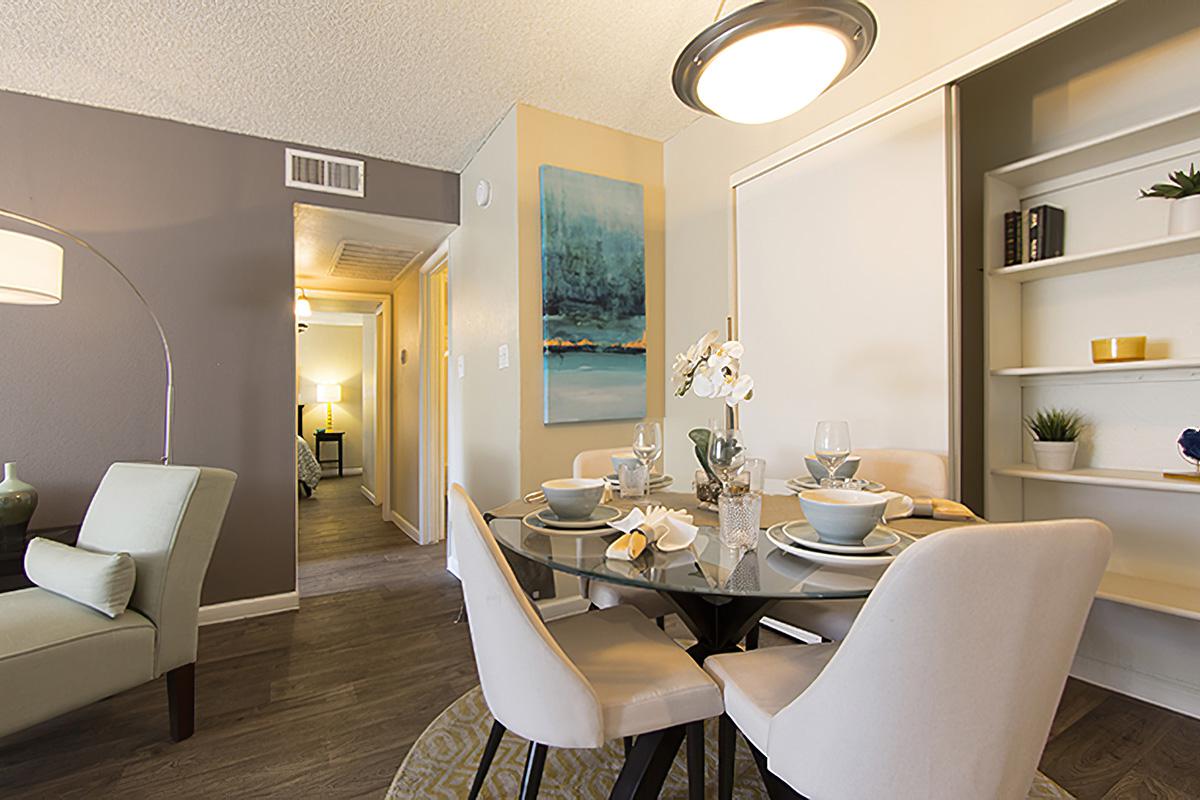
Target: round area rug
pixel 443 760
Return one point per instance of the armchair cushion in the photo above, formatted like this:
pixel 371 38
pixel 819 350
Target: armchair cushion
pixel 57 655
pixel 103 581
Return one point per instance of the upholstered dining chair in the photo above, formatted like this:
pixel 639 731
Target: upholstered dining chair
pixel 576 682
pixel 916 473
pixel 597 464
pixel 58 654
pixel 947 683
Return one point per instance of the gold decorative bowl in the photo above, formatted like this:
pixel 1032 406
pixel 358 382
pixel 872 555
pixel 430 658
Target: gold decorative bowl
pixel 1118 348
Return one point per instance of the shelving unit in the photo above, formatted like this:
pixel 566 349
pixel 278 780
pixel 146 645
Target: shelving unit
pixel 1126 255
pixel 1120 478
pixel 1150 365
pixel 1154 518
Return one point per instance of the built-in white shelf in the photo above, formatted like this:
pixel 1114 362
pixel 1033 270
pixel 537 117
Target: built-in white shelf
pixel 1121 478
pixel 1155 595
pixel 1126 255
pixel 1128 143
pixel 1148 365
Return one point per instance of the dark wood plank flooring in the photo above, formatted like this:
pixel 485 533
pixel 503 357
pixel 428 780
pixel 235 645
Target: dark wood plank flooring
pixel 326 702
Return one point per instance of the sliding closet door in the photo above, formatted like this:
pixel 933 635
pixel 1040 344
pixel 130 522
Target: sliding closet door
pixel 843 289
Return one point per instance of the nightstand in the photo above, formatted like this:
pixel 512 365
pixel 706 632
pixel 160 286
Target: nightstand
pixel 329 436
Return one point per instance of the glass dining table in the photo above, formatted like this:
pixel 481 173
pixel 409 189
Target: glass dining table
pixel 719 593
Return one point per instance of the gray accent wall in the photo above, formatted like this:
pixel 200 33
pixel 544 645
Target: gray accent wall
pixel 202 223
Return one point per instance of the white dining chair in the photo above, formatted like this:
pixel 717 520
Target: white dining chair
pixel 916 473
pixel 598 464
pixel 576 682
pixel 946 685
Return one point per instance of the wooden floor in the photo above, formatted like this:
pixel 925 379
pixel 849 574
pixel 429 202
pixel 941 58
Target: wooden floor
pixel 324 703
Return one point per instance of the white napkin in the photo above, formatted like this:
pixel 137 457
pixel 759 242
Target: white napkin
pixel 898 506
pixel 668 529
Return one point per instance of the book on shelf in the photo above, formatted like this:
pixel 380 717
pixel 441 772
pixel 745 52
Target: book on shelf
pixel 1046 225
pixel 1012 238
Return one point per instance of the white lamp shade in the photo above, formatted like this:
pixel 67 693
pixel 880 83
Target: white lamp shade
pixel 303 307
pixel 329 393
pixel 30 270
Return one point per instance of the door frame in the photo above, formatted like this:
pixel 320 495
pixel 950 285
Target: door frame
pixel 433 398
pixel 383 393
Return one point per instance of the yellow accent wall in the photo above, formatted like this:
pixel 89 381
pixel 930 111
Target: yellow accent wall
pixel 547 138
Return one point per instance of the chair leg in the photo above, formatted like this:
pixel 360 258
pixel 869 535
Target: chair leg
pixel 662 623
pixel 628 745
pixel 752 638
pixel 534 765
pixel 695 760
pixel 485 763
pixel 726 756
pixel 181 701
pixel 645 771
pixel 776 788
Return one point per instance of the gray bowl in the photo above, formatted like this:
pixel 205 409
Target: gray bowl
pixel 573 498
pixel 845 470
pixel 843 516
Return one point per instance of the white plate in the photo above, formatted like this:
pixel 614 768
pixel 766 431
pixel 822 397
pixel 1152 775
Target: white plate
pixel 878 540
pixel 798 485
pixel 534 523
pixel 601 516
pixel 777 537
pixel 656 481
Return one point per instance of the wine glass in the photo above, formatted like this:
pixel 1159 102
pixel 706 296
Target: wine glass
pixel 726 454
pixel 832 447
pixel 647 443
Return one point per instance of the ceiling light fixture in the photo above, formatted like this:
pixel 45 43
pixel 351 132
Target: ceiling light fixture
pixel 303 307
pixel 772 58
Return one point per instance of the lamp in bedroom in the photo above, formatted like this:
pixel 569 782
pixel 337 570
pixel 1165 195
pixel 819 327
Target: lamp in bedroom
pixel 31 274
pixel 329 393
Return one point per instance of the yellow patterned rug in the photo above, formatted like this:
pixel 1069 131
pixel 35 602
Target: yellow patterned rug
pixel 442 763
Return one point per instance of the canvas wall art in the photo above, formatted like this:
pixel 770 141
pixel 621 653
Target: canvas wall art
pixel 593 297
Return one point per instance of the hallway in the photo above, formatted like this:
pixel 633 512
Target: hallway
pixel 344 545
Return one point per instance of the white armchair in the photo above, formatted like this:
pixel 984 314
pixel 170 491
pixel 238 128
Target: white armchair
pixel 57 655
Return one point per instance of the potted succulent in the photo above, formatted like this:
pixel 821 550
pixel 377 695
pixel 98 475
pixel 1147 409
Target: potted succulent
pixel 1184 193
pixel 1055 434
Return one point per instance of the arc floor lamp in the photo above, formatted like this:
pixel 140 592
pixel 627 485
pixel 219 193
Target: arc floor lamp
pixel 31 274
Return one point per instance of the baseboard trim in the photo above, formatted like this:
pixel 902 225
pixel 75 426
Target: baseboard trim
pixel 331 472
pixel 406 526
pixel 1140 685
pixel 249 607
pixel 367 493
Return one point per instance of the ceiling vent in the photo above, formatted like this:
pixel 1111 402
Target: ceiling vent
pixel 370 262
pixel 319 172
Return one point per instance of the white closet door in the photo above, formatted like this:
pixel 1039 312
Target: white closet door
pixel 843 287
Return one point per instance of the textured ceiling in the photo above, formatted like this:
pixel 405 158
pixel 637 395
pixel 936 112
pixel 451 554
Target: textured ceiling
pixel 419 82
pixel 319 230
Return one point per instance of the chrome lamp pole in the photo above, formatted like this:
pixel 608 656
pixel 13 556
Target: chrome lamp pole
pixel 27 285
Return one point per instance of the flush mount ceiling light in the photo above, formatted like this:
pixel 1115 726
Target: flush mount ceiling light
pixel 772 58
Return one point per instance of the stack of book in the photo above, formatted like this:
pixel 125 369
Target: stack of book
pixel 1045 234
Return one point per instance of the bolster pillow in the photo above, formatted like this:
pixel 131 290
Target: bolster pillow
pixel 103 581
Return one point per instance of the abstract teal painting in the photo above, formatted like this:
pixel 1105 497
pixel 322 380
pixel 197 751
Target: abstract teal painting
pixel 593 297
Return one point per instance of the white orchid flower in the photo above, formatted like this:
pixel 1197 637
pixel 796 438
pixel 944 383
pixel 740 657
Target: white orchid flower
pixel 706 383
pixel 700 349
pixel 732 350
pixel 738 390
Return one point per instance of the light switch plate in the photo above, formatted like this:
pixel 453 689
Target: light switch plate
pixel 462 366
pixel 502 356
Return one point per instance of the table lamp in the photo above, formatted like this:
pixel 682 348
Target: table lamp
pixel 31 274
pixel 329 393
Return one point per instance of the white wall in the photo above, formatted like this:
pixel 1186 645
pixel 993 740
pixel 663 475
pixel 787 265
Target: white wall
pixel 839 323
pixel 915 38
pixel 483 437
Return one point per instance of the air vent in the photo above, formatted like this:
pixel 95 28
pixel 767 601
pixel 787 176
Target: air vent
pixel 319 172
pixel 369 261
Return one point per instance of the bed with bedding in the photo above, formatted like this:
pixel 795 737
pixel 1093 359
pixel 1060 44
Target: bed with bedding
pixel 308 471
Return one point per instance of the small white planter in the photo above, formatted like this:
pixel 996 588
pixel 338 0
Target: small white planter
pixel 1184 216
pixel 1055 456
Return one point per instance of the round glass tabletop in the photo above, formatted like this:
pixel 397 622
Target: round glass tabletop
pixel 707 568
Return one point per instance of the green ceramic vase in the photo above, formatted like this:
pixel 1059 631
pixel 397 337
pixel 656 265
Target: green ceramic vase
pixel 18 501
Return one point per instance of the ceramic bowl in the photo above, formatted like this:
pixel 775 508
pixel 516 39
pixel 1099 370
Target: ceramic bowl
pixel 623 457
pixel 1118 348
pixel 845 470
pixel 843 516
pixel 573 498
